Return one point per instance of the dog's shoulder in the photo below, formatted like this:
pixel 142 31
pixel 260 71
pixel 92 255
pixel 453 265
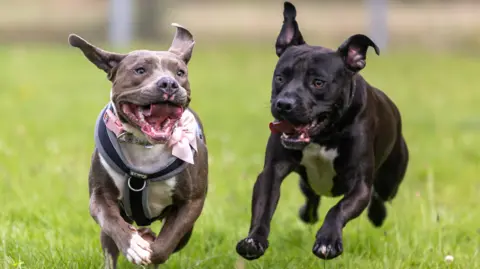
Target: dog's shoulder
pixel 99 177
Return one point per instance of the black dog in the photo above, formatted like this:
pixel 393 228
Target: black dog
pixel 340 134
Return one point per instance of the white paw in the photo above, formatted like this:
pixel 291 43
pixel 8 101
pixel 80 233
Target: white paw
pixel 139 250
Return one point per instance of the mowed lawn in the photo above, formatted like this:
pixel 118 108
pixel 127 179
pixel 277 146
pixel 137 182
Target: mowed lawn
pixel 51 96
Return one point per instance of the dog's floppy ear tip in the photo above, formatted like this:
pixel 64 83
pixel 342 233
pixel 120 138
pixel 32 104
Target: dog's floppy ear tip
pixel 174 24
pixel 182 30
pixel 361 40
pixel 289 10
pixel 178 26
pixel 377 49
pixel 371 44
pixel 75 40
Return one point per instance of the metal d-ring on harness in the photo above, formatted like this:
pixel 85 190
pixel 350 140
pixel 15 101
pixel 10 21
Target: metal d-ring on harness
pixel 134 200
pixel 132 188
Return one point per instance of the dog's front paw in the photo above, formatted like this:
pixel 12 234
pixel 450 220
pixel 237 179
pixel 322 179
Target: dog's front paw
pixel 147 234
pixel 308 215
pixel 251 249
pixel 138 250
pixel 328 244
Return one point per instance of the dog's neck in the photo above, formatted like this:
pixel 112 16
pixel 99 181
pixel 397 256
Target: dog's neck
pixel 146 158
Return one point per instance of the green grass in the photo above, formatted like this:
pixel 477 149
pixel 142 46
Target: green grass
pixel 50 97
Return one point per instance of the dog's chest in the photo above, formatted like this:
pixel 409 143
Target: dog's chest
pixel 158 193
pixel 318 163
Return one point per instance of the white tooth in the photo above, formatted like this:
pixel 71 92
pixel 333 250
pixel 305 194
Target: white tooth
pixel 139 114
pixel 165 123
pixel 302 136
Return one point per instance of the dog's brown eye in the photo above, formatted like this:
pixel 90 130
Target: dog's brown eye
pixel 140 70
pixel 279 79
pixel 180 73
pixel 318 84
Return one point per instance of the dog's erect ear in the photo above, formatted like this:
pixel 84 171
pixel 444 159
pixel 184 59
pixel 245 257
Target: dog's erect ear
pixel 290 33
pixel 354 51
pixel 102 59
pixel 182 44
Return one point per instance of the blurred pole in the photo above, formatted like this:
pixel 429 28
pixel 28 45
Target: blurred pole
pixel 120 23
pixel 149 13
pixel 378 10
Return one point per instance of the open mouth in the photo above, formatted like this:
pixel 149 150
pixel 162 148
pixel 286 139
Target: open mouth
pixel 157 121
pixel 296 136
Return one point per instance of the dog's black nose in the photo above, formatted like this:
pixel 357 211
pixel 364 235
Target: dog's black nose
pixel 167 85
pixel 285 105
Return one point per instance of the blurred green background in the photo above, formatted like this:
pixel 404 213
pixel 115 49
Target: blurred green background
pixel 50 96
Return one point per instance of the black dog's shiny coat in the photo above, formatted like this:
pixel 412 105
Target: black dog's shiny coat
pixel 360 122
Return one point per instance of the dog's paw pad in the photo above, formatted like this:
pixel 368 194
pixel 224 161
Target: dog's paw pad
pixel 139 250
pixel 251 249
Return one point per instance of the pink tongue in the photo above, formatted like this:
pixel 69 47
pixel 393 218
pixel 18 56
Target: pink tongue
pixel 281 127
pixel 165 110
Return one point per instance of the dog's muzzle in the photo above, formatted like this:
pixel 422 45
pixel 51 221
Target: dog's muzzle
pixel 157 121
pixel 295 137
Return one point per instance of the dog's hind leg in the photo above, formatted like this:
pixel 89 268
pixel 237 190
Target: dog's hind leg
pixel 110 251
pixel 377 212
pixel 308 212
pixel 388 179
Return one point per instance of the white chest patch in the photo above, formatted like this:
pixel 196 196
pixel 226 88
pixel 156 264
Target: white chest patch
pixel 159 195
pixel 318 163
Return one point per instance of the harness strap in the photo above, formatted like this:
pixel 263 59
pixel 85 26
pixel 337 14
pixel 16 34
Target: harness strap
pixel 137 199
